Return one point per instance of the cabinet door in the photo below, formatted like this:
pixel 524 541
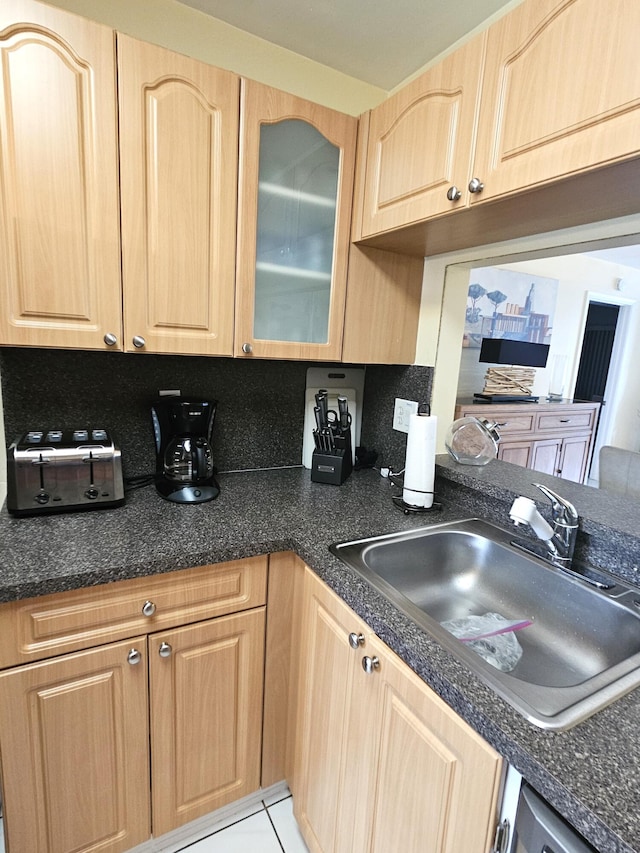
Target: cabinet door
pixel 420 144
pixel 206 714
pixel 75 759
pixel 545 455
pixel 178 142
pixel 364 734
pixel 574 455
pixel 296 183
pixel 561 92
pixel 451 800
pixel 326 675
pixel 59 209
pixel 516 452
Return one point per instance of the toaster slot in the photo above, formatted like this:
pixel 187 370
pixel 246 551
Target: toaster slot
pixel 98 464
pixel 36 475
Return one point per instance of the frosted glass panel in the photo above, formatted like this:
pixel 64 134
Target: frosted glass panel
pixel 297 192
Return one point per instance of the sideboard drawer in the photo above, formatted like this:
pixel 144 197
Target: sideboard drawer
pixel 507 421
pixel 510 423
pixel 37 628
pixel 574 419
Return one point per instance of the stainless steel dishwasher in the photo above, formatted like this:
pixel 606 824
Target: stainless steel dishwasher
pixel 539 829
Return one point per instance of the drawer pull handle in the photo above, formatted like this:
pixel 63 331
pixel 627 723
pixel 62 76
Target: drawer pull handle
pixel 148 608
pixel 502 424
pixel 565 420
pixel 134 657
pixel 356 640
pixel 370 664
pixel 165 650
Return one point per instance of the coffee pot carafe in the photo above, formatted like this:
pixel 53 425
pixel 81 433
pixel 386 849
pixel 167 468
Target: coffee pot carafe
pixel 184 457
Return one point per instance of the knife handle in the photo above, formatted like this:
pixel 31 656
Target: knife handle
pixel 317 411
pixel 324 406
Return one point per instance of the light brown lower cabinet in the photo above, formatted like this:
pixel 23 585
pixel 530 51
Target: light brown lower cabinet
pixel 128 736
pixel 75 754
pixel 205 689
pixel 104 746
pixel 382 762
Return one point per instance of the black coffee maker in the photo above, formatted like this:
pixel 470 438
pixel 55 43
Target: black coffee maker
pixel 184 460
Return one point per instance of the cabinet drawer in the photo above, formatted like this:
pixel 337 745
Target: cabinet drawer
pixel 515 423
pixel 50 625
pixel 508 422
pixel 565 420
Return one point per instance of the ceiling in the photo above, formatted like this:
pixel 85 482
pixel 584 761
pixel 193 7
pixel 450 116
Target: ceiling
pixel 628 256
pixel 381 42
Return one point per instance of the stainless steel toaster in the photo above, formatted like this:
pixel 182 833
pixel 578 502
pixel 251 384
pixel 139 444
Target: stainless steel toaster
pixel 63 469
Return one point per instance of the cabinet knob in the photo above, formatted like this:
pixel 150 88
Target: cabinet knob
pixel 356 640
pixel 475 185
pixel 165 650
pixel 454 194
pixel 247 348
pixel 370 664
pixel 134 657
pixel 148 608
pixel 138 341
pixel 110 339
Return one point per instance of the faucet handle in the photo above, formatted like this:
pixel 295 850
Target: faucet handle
pixel 561 508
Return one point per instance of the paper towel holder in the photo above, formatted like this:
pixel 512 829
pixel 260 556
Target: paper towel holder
pixel 409 509
pixel 398 501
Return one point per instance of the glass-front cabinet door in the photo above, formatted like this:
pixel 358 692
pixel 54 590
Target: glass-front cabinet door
pixel 296 181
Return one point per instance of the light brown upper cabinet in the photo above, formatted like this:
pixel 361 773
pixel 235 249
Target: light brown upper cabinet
pixel 561 93
pixel 59 208
pixel 295 188
pixel 420 144
pixel 179 164
pixel 545 126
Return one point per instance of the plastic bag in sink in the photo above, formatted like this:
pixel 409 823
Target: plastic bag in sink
pixel 491 636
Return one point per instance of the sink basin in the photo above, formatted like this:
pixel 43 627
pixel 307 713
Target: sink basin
pixel 582 648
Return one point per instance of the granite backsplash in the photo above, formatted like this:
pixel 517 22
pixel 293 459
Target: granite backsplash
pixel 259 420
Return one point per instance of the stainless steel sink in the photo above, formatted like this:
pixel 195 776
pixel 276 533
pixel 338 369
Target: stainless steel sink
pixel 582 649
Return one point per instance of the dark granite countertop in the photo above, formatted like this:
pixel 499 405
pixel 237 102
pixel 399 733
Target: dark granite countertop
pixel 591 774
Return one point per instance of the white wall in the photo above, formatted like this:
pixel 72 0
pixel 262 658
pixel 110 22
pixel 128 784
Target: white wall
pixel 442 309
pixel 583 279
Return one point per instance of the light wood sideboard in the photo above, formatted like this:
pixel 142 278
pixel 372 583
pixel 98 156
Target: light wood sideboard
pixel 553 438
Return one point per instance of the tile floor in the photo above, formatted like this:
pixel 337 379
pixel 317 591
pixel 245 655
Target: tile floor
pixel 268 827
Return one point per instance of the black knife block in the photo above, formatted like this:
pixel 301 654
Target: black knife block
pixel 333 466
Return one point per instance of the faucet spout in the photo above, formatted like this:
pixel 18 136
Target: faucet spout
pixel 560 537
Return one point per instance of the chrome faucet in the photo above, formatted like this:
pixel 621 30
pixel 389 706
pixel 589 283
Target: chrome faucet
pixel 560 539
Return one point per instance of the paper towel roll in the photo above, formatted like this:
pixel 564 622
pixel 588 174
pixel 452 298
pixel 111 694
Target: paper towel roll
pixel 420 461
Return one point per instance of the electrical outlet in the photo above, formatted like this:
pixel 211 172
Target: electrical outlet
pixel 402 411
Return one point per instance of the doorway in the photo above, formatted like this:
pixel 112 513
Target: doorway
pixel 604 341
pixel 595 355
